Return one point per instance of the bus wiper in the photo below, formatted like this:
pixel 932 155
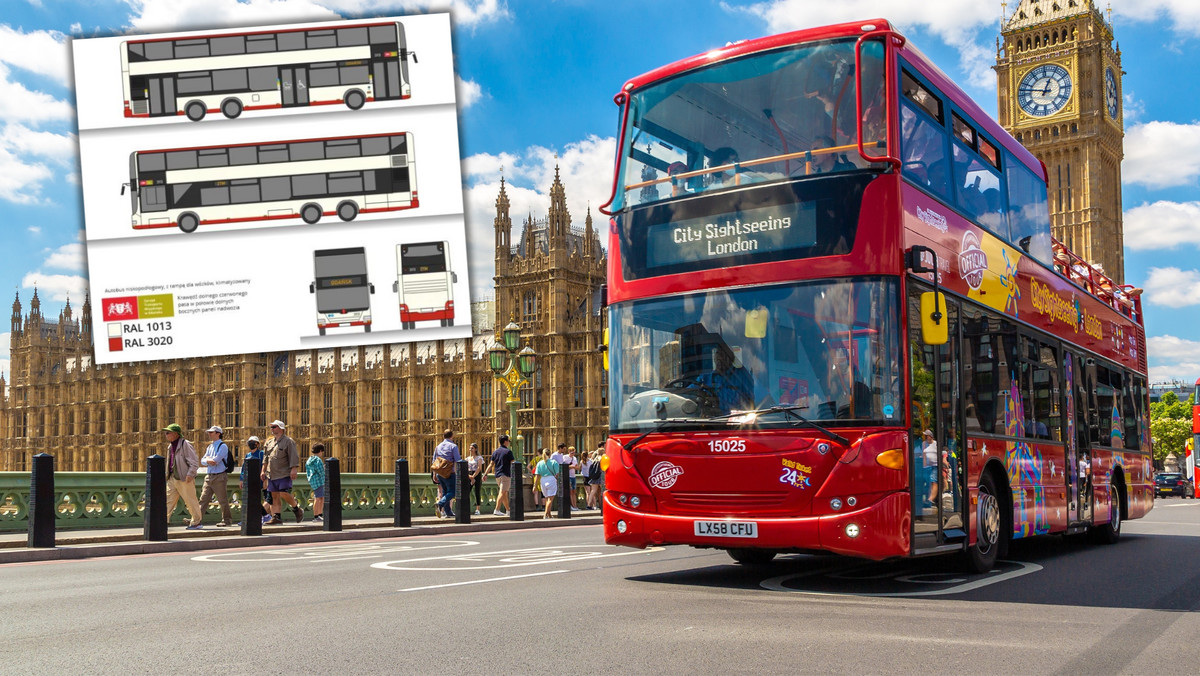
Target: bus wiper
pixel 792 410
pixel 667 422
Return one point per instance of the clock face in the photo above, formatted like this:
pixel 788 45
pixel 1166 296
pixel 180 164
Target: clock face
pixel 1110 93
pixel 1044 90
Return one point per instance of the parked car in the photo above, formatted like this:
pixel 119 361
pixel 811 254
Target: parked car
pixel 1173 483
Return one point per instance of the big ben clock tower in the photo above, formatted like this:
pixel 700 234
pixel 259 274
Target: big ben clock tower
pixel 1059 86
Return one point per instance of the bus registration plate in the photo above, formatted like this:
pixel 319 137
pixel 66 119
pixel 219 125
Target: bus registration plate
pixel 727 529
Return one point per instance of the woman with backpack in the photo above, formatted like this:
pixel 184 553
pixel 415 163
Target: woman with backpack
pixel 547 475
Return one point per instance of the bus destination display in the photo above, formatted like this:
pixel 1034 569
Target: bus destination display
pixel 763 230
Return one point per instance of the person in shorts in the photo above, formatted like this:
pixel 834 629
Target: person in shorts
pixel 314 469
pixel 501 466
pixel 281 465
pixel 547 476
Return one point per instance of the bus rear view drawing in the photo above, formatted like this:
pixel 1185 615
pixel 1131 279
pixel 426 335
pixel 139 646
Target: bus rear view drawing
pixel 342 289
pixel 425 283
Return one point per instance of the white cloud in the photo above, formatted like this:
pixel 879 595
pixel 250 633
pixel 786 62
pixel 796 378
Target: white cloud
pixel 1173 287
pixel 957 23
pixel 585 169
pixel 40 52
pixel 62 148
pixel 35 229
pixel 22 151
pixel 1162 225
pixel 1162 154
pixel 1133 109
pixel 21 104
pixel 1184 15
pixel 166 15
pixel 468 92
pixel 21 179
pixel 68 257
pixel 1179 359
pixel 56 287
pixel 1182 372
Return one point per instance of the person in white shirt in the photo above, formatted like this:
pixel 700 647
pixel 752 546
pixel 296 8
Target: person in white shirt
pixel 216 463
pixel 475 471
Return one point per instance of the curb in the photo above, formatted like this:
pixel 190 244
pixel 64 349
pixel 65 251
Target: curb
pixel 88 551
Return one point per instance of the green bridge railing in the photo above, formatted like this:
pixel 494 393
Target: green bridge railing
pixel 117 499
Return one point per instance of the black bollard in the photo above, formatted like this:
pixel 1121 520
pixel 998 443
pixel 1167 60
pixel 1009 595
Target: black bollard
pixel 333 496
pixel 41 501
pixel 402 505
pixel 564 491
pixel 154 515
pixel 462 505
pixel 252 497
pixel 516 497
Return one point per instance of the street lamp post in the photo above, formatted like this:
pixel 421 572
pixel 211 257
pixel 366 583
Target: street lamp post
pixel 513 368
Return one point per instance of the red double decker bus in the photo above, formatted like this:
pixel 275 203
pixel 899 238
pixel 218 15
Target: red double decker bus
pixel 838 321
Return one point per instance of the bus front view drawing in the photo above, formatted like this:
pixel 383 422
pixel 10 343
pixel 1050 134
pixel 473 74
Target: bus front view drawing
pixel 304 179
pixel 342 289
pixel 425 283
pixel 233 72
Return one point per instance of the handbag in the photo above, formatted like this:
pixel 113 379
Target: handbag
pixel 442 467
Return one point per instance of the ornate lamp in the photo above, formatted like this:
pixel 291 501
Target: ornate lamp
pixel 527 361
pixel 497 358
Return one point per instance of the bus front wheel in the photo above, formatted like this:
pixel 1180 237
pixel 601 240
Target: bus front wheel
pixel 355 99
pixel 188 222
pixel 311 213
pixel 989 527
pixel 347 211
pixel 231 108
pixel 1109 533
pixel 321 330
pixel 195 110
pixel 751 557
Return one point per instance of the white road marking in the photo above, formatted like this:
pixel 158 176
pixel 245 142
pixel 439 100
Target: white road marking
pixel 776 584
pixel 331 552
pixel 513 558
pixel 493 579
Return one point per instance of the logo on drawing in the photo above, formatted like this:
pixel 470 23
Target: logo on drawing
pixel 665 474
pixel 972 261
pixel 116 309
pixel 933 219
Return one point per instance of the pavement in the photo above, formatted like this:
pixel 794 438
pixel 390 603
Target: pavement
pixel 91 543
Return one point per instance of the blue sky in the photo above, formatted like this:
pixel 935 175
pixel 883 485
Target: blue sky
pixel 536 86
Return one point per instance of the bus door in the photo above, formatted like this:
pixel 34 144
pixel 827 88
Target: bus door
pixel 1079 384
pixel 937 469
pixel 386 79
pixel 162 95
pixel 294 81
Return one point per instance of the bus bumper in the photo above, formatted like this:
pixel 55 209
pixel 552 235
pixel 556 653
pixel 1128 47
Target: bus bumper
pixel 425 315
pixel 882 530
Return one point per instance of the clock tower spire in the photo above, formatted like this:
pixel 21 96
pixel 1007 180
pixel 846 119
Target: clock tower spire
pixel 1059 87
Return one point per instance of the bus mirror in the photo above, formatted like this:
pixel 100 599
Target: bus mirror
pixel 756 323
pixel 454 278
pixel 934 329
pixel 312 287
pixel 604 348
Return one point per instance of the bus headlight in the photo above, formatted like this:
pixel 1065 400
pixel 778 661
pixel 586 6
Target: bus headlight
pixel 852 530
pixel 621 527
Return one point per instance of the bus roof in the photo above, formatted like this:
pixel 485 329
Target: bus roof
pixel 271 143
pixel 842 30
pixel 201 36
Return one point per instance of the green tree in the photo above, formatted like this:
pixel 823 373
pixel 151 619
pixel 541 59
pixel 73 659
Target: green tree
pixel 1170 424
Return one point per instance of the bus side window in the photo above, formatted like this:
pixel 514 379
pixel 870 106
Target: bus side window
pixel 263 79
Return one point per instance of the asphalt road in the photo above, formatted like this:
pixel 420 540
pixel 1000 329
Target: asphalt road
pixel 559 601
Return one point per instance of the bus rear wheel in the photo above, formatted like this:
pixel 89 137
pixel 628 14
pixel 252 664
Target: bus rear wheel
pixel 355 99
pixel 989 528
pixel 408 325
pixel 231 108
pixel 310 213
pixel 751 557
pixel 188 222
pixel 195 110
pixel 321 330
pixel 347 211
pixel 447 322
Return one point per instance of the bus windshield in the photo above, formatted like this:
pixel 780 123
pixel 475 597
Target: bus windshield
pixel 830 348
pixel 774 116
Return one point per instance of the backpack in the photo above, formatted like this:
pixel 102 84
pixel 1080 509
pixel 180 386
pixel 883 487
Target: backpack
pixel 230 459
pixel 594 472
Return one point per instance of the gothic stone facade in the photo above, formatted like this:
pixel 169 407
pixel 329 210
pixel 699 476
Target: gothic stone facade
pixel 369 405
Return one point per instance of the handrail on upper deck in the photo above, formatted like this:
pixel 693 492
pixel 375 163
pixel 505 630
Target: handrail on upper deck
pixel 1124 298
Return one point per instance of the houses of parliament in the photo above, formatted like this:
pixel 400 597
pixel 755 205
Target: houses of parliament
pixel 368 405
pixel 371 405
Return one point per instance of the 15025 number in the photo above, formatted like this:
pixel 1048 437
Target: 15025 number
pixel 727 445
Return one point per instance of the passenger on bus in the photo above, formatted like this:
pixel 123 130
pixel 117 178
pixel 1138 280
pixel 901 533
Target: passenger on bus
pixel 732 384
pixel 828 163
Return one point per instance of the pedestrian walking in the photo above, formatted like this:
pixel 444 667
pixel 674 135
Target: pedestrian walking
pixel 573 461
pixel 475 471
pixel 547 473
pixel 217 465
pixel 280 468
pixel 314 470
pixel 256 453
pixel 446 452
pixel 182 465
pixel 593 479
pixel 501 467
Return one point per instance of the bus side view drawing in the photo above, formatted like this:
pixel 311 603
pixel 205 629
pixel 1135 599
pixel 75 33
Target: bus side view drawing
pixel 232 72
pixel 341 287
pixel 425 283
pixel 305 179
